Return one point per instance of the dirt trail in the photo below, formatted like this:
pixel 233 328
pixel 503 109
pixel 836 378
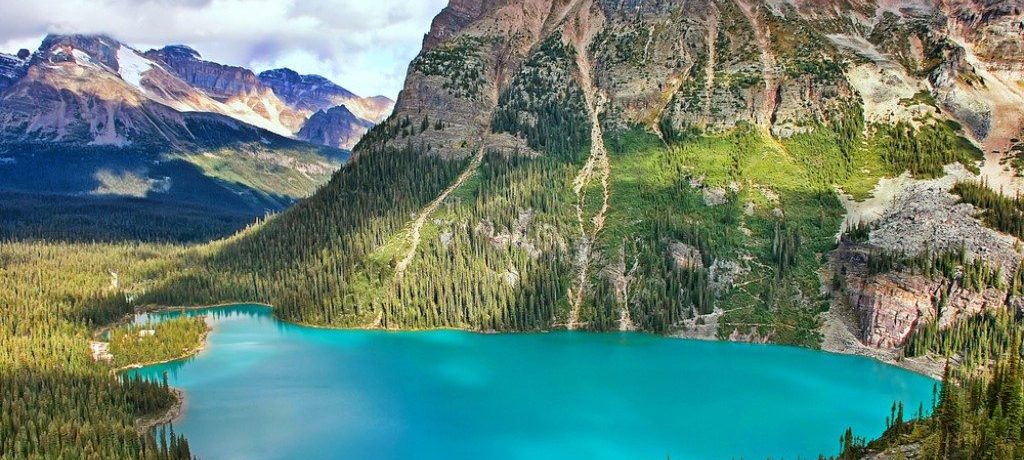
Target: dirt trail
pixel 709 69
pixel 421 219
pixel 767 61
pixel 493 93
pixel 597 167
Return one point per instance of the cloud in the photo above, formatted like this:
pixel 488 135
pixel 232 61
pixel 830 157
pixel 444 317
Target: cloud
pixel 364 45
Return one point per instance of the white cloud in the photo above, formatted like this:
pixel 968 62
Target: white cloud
pixel 364 45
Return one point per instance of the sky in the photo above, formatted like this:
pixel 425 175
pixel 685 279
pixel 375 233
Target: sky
pixel 363 45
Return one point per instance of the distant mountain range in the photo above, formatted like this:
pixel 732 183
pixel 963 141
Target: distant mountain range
pixel 87 117
pixel 174 77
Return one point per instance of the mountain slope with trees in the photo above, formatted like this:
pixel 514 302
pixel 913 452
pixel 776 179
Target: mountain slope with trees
pixel 823 174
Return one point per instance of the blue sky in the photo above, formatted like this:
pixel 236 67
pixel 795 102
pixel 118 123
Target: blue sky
pixel 364 45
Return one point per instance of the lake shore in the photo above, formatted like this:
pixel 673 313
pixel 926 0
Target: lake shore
pixel 836 329
pixel 214 384
pixel 171 415
pixel 177 409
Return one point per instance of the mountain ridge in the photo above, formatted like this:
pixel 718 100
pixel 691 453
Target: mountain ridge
pixel 137 130
pixel 774 124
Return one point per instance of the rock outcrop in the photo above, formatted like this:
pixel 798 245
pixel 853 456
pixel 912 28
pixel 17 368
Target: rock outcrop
pixel 12 67
pixel 311 93
pixel 335 127
pixel 235 87
pixel 890 306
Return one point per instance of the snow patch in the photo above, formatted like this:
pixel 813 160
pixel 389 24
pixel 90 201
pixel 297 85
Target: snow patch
pixel 132 66
pixel 83 59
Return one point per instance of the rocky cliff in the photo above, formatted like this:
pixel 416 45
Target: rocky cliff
pixel 311 93
pixel 12 67
pixel 336 127
pixel 237 88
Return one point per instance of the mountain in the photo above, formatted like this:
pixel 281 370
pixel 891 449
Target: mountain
pixel 12 67
pixel 719 169
pixel 335 127
pixel 833 174
pixel 243 96
pixel 87 118
pixel 311 93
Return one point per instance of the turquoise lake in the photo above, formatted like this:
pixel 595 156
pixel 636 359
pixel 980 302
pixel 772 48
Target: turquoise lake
pixel 264 389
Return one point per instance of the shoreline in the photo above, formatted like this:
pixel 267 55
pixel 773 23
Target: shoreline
pixel 184 355
pixel 169 416
pixel 837 338
pixel 177 409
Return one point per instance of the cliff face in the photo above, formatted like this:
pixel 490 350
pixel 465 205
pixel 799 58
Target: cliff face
pixel 220 81
pixel 335 127
pixel 311 93
pixel 708 65
pixel 12 67
pixel 670 66
pixel 452 19
pixel 892 305
pixel 237 88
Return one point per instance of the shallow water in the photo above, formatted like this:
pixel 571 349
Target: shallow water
pixel 264 389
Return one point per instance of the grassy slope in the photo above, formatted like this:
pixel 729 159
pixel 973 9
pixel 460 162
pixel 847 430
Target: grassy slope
pixel 288 172
pixel 651 179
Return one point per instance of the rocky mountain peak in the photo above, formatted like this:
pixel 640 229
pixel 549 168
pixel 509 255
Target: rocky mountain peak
pixel 452 19
pixel 314 92
pixel 178 52
pixel 12 67
pixel 220 81
pixel 289 83
pixel 335 127
pixel 100 48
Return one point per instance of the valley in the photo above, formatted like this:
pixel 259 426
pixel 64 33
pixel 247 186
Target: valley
pixel 88 122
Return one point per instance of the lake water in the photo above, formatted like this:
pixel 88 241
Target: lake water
pixel 265 389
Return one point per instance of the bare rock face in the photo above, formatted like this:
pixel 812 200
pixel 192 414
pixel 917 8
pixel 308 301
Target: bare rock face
pixel 335 127
pixel 994 28
pixel 923 215
pixel 220 81
pixel 472 53
pixel 230 85
pixel 12 67
pixel 452 19
pixel 891 306
pixel 686 256
pixel 311 93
